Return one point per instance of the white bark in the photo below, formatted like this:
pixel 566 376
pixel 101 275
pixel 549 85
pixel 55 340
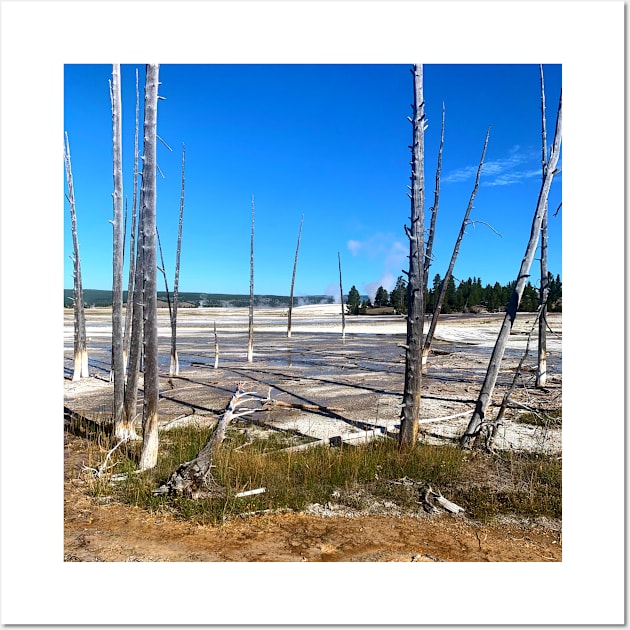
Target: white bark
pixel 485 394
pixel 415 290
pixel 118 363
pixel 297 250
pixel 174 365
pixel 80 338
pixel 148 457
pixel 250 343
pixel 343 310
pixel 216 347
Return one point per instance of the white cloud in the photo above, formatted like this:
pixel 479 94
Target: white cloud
pixel 386 247
pixel 460 175
pixel 354 247
pixel 506 179
pixel 501 172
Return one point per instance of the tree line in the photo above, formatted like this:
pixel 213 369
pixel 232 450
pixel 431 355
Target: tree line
pixel 468 296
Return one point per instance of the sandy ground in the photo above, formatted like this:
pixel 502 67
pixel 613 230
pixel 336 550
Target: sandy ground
pixel 362 375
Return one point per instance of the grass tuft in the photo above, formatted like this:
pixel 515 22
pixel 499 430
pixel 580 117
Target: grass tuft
pixel 485 485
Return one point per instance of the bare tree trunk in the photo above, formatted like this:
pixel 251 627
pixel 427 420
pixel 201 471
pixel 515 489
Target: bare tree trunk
pixel 216 347
pixel 250 344
pixel 493 428
pixel 343 310
pixel 118 364
pixel 434 210
pixel 137 337
pixel 148 457
pixel 174 365
pixel 80 337
pixel 297 250
pixel 426 349
pixel 485 395
pixel 415 290
pixel 132 239
pixel 541 373
pixel 163 270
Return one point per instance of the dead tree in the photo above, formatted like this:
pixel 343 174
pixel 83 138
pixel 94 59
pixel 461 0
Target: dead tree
pixel 250 343
pixel 426 349
pixel 118 363
pixel 132 239
pixel 541 372
pixel 343 310
pixel 163 270
pixel 492 428
pixel 194 478
pixel 297 250
pixel 434 209
pixel 174 365
pixel 135 304
pixel 80 337
pixel 415 290
pixel 485 394
pixel 137 336
pixel 216 347
pixel 148 457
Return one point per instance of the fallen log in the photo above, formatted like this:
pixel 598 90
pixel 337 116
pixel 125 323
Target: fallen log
pixel 361 437
pixel 248 493
pixel 302 447
pixel 194 478
pixel 446 504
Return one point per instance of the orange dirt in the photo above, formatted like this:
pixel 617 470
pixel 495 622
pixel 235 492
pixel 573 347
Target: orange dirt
pixel 115 533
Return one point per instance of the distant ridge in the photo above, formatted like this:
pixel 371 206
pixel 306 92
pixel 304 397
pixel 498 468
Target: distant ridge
pixel 103 298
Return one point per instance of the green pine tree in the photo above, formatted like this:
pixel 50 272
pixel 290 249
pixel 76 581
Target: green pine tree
pixel 353 303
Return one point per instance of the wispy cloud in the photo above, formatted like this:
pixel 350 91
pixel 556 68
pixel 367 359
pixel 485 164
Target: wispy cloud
pixel 380 245
pixel 515 167
pixel 390 250
pixel 507 179
pixel 354 247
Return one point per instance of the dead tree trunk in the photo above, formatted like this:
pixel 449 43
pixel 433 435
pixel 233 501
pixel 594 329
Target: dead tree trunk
pixel 343 310
pixel 426 349
pixel 415 290
pixel 297 250
pixel 137 335
pixel 148 457
pixel 194 479
pixel 541 372
pixel 163 270
pixel 80 337
pixel 132 240
pixel 118 364
pixel 493 427
pixel 174 365
pixel 434 210
pixel 485 394
pixel 216 347
pixel 250 343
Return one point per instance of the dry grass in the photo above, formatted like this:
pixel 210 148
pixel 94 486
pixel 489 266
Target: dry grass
pixel 486 485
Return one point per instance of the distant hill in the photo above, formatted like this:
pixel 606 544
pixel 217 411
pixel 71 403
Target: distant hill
pixel 102 297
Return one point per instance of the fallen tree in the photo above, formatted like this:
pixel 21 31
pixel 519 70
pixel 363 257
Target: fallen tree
pixel 194 478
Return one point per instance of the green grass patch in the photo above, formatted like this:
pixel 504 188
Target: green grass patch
pixel 484 485
pixel 540 419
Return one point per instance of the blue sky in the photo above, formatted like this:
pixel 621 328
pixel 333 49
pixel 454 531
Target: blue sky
pixel 328 141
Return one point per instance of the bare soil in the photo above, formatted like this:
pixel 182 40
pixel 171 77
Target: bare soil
pixel 362 375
